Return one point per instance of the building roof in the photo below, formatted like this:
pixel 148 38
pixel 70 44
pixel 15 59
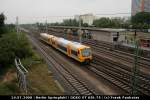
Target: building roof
pixel 93 28
pixel 111 30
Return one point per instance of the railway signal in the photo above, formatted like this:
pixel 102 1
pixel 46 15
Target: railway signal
pixel 115 40
pixel 135 35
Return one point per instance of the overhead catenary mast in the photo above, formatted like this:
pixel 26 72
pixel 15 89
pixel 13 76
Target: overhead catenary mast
pixel 46 26
pixel 17 26
pixel 80 31
pixel 135 69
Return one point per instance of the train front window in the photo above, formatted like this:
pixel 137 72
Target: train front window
pixel 86 52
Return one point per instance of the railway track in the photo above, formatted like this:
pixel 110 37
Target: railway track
pixel 102 44
pixel 78 87
pixel 145 62
pixel 121 76
pixel 115 73
pixel 127 61
pixel 107 48
pixel 107 76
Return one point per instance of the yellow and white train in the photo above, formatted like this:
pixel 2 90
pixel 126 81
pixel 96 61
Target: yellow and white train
pixel 72 49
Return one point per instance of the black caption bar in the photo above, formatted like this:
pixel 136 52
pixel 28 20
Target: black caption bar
pixel 71 97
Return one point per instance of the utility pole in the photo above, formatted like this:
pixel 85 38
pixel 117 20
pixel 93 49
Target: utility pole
pixel 17 26
pixel 69 34
pixel 46 26
pixel 135 69
pixel 80 22
pixel 80 31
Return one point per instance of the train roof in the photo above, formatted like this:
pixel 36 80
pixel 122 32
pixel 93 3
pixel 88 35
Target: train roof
pixel 72 43
pixel 46 35
pixel 62 41
pixel 78 45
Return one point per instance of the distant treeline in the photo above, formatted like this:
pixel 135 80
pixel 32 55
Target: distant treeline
pixel 140 21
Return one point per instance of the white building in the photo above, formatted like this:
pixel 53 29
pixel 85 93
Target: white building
pixel 86 18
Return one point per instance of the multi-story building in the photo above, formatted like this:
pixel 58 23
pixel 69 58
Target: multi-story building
pixel 86 18
pixel 139 6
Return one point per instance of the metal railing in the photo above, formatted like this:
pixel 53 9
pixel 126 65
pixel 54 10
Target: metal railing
pixel 21 75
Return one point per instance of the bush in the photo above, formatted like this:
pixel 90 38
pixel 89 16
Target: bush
pixel 8 88
pixel 12 46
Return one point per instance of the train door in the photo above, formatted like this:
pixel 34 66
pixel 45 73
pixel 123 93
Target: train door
pixel 69 50
pixel 49 41
pixel 54 42
pixel 78 54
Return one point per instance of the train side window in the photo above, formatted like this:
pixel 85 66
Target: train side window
pixel 78 52
pixel 74 52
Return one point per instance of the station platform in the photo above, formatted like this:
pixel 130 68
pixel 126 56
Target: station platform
pixel 133 46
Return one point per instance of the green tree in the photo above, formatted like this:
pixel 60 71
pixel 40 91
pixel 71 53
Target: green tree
pixel 70 22
pixel 3 29
pixel 2 19
pixel 141 20
pixel 11 47
pixel 127 24
pixel 102 22
pixel 111 23
pixel 117 22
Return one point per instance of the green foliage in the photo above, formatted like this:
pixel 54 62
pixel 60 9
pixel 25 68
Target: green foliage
pixel 34 59
pixel 85 25
pixel 3 30
pixel 141 20
pixel 110 23
pixel 11 47
pixel 4 90
pixel 70 22
pixel 141 17
pixel 2 24
pixel 102 22
pixel 2 19
pixel 55 24
pixel 7 29
pixel 8 88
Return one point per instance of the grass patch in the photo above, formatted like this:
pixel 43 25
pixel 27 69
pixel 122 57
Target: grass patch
pixel 42 82
pixel 9 87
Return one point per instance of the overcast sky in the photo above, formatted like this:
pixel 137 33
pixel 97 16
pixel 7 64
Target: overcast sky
pixel 54 10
